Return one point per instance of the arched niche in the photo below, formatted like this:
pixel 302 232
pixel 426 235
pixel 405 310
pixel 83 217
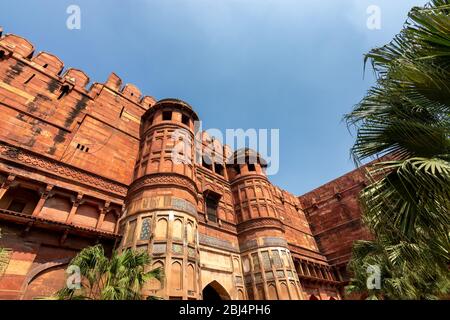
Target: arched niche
pixel 272 292
pixel 178 229
pixel 161 228
pixel 176 276
pixel 191 278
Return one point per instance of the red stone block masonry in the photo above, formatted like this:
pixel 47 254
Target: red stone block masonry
pixel 80 166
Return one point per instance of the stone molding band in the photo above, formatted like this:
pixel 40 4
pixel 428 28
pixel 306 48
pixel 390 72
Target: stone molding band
pixel 260 223
pixel 217 243
pixel 164 179
pixel 34 160
pixel 161 202
pixel 264 242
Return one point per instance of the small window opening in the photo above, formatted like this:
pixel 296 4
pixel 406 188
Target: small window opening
pixel 29 79
pixel 167 115
pixel 17 205
pixel 82 147
pixel 251 167
pixel 185 119
pixel 2 54
pixel 212 203
pixel 207 163
pixel 218 168
pixel 45 65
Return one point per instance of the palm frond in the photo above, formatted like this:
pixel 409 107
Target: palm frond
pixel 406 206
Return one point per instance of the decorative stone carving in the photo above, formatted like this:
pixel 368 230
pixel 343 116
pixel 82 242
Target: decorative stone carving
pixel 164 179
pixel 8 181
pixel 216 243
pixel 250 244
pixel 265 222
pixel 31 159
pixel 77 200
pixel 275 242
pixel 162 202
pixel 46 193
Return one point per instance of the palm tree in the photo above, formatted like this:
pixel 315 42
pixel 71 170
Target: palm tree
pixel 406 115
pixel 121 277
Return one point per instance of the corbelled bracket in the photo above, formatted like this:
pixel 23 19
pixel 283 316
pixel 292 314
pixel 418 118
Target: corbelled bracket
pixel 27 229
pixel 64 236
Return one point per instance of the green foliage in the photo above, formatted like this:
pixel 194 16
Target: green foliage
pixel 121 277
pixel 406 206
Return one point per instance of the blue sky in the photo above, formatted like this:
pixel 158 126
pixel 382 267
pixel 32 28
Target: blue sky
pixel 295 65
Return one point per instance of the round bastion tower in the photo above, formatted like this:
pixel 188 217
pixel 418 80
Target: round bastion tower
pixel 160 208
pixel 269 271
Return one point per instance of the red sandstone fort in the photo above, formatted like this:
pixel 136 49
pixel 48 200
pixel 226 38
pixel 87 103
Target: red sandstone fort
pixel 84 165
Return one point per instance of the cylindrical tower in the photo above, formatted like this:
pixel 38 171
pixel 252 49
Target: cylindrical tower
pixel 269 271
pixel 160 208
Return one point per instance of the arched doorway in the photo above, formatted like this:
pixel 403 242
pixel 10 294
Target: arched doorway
pixel 214 291
pixel 47 278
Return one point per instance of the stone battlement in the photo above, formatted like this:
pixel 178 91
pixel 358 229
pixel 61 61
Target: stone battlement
pixel 15 46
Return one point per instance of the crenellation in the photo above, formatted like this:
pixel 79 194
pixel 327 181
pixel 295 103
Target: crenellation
pixel 132 92
pixel 114 82
pixel 18 45
pixel 49 62
pixel 77 77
